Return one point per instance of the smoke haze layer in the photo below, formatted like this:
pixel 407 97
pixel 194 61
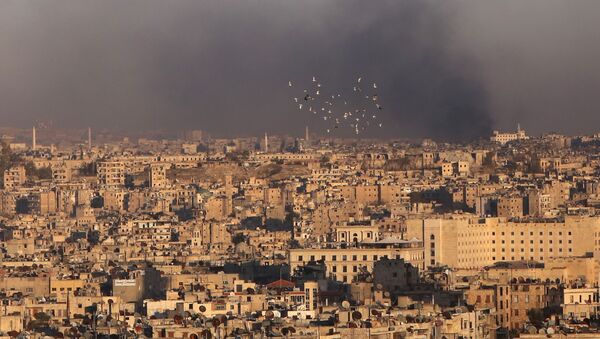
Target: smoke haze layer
pixel 450 70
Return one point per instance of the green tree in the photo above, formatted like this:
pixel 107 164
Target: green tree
pixel 7 160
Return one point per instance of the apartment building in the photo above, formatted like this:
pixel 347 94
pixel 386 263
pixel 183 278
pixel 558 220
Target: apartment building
pixel 111 173
pixel 14 177
pixel 472 243
pixel 345 264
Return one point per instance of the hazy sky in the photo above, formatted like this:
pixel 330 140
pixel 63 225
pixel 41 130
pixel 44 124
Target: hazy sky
pixel 446 69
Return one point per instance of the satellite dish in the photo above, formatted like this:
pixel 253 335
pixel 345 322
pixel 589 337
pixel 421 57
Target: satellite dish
pixel 178 319
pixel 379 286
pixel 202 308
pixel 222 318
pixel 216 322
pixel 356 315
pixel 345 304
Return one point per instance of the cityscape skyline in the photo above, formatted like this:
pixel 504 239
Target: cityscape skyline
pixel 315 169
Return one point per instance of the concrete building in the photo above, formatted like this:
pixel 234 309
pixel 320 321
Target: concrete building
pixel 158 176
pixel 346 264
pixel 14 177
pixel 472 243
pixel 111 173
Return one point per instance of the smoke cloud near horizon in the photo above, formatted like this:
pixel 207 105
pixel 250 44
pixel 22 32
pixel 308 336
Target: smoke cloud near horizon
pixel 449 70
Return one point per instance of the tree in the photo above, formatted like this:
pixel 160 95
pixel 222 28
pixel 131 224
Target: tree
pixel 41 173
pixel 239 238
pixel 536 316
pixel 7 160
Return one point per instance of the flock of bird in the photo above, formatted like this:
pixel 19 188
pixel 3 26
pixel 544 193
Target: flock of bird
pixel 357 111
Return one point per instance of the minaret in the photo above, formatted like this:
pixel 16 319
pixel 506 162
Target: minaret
pixel 306 134
pixel 33 145
pixel 89 138
pixel 266 143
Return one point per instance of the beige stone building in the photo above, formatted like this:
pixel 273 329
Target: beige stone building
pixel 14 177
pixel 111 173
pixel 510 206
pixel 61 173
pixel 157 175
pixel 472 243
pixel 345 264
pixel 513 301
pixel 580 303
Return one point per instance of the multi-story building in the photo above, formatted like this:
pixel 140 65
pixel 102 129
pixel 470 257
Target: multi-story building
pixel 345 264
pixel 580 303
pixel 503 138
pixel 158 175
pixel 515 301
pixel 472 243
pixel 14 177
pixel 111 173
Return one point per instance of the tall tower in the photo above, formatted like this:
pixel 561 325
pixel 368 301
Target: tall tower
pixel 306 134
pixel 266 143
pixel 89 138
pixel 229 194
pixel 33 145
